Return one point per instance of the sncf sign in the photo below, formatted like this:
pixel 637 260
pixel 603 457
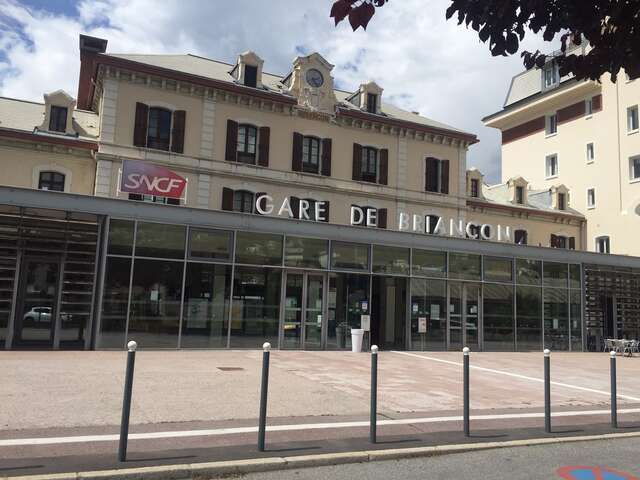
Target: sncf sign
pixel 148 179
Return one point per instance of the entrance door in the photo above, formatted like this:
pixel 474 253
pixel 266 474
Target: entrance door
pixel 303 310
pixel 464 316
pixel 36 313
pixel 389 312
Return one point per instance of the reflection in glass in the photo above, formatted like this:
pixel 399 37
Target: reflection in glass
pixel 574 276
pixel 313 312
pixel 292 327
pixel 428 305
pixel 155 303
pixel 529 318
pixel 206 306
pixel 455 316
pixel 36 320
pixel 472 315
pixel 390 260
pixel 160 240
pixel 498 269
pixel 350 256
pixel 465 266
pixel 114 303
pixel 120 237
pixel 258 248
pixel 555 274
pixel 306 252
pixel 498 317
pixel 255 309
pixel 528 272
pixel 348 301
pixel 575 299
pixel 429 263
pixel 556 318
pixel 210 244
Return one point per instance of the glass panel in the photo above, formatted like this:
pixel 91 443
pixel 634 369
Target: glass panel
pixel 556 319
pixel 472 315
pixel 213 244
pixel 292 327
pixel 390 260
pixel 429 263
pixel 348 300
pixel 313 313
pixel 575 299
pixel 455 316
pixel 498 269
pixel 258 248
pixel 464 266
pixel 528 272
pixel 155 303
pixel 160 240
pixel 498 317
pixel 574 276
pixel 256 307
pixel 529 318
pixel 306 252
pixel 428 309
pixel 205 317
pixel 114 303
pixel 351 256
pixel 120 237
pixel 555 274
pixel 36 321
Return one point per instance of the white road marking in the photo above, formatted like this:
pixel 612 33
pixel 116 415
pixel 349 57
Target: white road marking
pixel 13 442
pixel 517 375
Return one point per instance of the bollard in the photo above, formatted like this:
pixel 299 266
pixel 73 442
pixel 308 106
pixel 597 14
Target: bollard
pixel 126 403
pixel 614 391
pixel 263 395
pixel 374 394
pixel 547 390
pixel 465 381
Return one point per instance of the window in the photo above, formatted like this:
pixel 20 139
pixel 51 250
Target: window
pixel 520 237
pixel 634 164
pixel 475 188
pixel 250 75
pixel 154 199
pixel 591 155
pixel 588 107
pixel 520 195
pixel 552 124
pixel 243 201
pixel 372 103
pixel 591 198
pixel 562 201
pixel 159 129
pixel 603 244
pixel 369 172
pixel 632 119
pixel 437 175
pixel 311 155
pixel 561 241
pixel 431 223
pixel 552 166
pixel 550 75
pixel 58 119
pixel 247 143
pixel 51 181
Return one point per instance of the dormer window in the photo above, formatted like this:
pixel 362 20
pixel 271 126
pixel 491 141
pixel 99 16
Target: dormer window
pixel 550 75
pixel 250 75
pixel 368 98
pixel 475 187
pixel 58 113
pixel 562 201
pixel 248 70
pixel 58 119
pixel 520 195
pixel 372 103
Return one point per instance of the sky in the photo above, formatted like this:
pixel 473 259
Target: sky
pixel 423 62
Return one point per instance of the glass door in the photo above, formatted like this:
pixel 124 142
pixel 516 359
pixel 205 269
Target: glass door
pixel 472 316
pixel 293 300
pixel 455 334
pixel 303 311
pixel 313 314
pixel 464 316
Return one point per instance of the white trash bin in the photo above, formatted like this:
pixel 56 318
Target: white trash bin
pixel 356 339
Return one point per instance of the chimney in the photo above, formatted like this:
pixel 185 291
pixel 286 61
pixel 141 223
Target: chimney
pixel 90 47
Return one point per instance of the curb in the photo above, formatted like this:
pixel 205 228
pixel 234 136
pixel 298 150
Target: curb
pixel 200 471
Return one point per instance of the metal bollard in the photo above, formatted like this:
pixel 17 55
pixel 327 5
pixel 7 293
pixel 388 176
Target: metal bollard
pixel 614 391
pixel 374 394
pixel 465 381
pixel 263 395
pixel 126 403
pixel 547 390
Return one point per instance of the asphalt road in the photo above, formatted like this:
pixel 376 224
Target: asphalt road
pixel 537 462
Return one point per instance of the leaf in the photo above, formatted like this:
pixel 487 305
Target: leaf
pixel 512 43
pixel 340 10
pixel 360 15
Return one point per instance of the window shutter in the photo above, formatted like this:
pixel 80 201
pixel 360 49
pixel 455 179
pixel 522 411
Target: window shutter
pixel 384 167
pixel 326 157
pixel 177 135
pixel 572 243
pixel 227 199
pixel 326 212
pixel 553 243
pixel 382 218
pixel 596 103
pixel 232 141
pixel 295 207
pixel 357 162
pixel 296 159
pixel 140 128
pixel 263 146
pixel 262 204
pixel 444 180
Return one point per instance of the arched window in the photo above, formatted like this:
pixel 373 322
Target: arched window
pixel 243 201
pixel 159 129
pixel 51 181
pixel 369 172
pixel 247 144
pixel 311 155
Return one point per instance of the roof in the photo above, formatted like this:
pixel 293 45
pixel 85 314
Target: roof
pixel 537 200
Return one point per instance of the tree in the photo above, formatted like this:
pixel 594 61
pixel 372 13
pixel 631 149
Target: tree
pixel 611 28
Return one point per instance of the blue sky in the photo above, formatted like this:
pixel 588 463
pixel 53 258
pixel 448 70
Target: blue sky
pixel 423 62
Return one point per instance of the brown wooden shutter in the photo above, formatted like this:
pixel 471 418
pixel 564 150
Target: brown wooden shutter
pixel 596 103
pixel 177 134
pixel 232 141
pixel 295 207
pixel 553 242
pixel 296 157
pixel 572 243
pixel 262 204
pixel 382 218
pixel 227 199
pixel 326 157
pixel 326 212
pixel 444 179
pixel 140 126
pixel 357 162
pixel 383 178
pixel 263 146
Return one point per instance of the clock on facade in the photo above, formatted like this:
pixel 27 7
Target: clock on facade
pixel 314 78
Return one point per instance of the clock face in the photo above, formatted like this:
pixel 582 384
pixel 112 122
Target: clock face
pixel 314 78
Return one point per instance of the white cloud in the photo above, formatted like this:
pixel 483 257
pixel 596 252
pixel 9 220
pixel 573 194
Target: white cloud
pixel 423 62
